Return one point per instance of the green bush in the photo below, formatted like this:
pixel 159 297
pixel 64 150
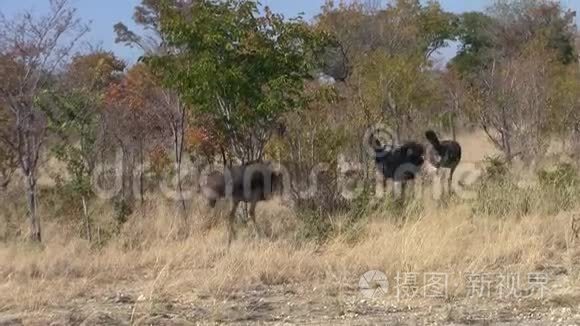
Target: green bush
pixel 561 187
pixel 496 168
pixel 498 193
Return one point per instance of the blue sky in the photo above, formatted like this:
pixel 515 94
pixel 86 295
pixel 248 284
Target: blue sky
pixel 103 14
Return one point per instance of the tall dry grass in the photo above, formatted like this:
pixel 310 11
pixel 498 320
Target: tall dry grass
pixel 149 259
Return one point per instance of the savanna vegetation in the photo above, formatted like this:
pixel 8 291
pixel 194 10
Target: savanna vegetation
pixel 101 216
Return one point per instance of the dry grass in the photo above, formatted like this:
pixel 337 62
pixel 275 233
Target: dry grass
pixel 149 258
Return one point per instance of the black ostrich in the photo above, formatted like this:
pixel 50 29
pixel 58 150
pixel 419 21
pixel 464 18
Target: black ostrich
pixel 443 154
pixel 249 183
pixel 400 164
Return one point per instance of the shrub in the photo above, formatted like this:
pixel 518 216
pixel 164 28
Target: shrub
pixel 122 212
pixel 498 193
pixel 560 187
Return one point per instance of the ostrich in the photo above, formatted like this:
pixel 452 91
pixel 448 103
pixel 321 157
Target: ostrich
pixel 443 154
pixel 249 183
pixel 400 164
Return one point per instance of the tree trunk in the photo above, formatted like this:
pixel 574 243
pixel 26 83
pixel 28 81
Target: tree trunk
pixel 453 126
pixel 178 147
pixel 506 136
pixel 87 220
pixel 398 134
pixel 224 156
pixel 180 189
pixel 507 147
pixel 128 194
pixel 142 173
pixel 3 199
pixel 35 231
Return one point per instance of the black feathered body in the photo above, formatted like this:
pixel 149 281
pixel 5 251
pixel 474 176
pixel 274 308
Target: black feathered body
pixel 247 183
pixel 443 154
pixel 402 163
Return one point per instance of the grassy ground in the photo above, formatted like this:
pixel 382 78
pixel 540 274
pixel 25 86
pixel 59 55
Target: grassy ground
pixel 150 273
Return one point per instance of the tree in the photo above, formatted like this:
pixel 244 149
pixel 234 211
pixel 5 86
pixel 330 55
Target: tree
pixel 508 27
pixel 132 121
pixel 8 165
pixel 74 111
pixel 410 27
pixel 241 69
pixel 398 87
pixel 32 49
pixel 310 147
pixel 510 58
pixel 353 34
pixel 404 27
pixel 565 113
pixel 148 16
pixel 474 32
pixel 516 100
pixel 156 113
pixel 168 106
pixel 519 22
pixel 456 99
